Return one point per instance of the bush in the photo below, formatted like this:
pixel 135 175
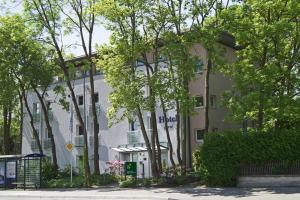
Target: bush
pixel 48 171
pixel 79 181
pixel 103 179
pixel 146 182
pixel 222 154
pixel 129 182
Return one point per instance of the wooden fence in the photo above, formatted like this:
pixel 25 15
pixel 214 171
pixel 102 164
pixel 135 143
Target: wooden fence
pixel 271 168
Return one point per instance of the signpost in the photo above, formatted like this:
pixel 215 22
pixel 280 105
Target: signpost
pixel 130 169
pixel 69 147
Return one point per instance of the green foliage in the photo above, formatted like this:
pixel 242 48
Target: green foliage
pixel 49 171
pixel 129 182
pixel 79 181
pixel 219 158
pixel 266 72
pixel 66 172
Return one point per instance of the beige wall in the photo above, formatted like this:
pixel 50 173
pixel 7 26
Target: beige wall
pixel 218 85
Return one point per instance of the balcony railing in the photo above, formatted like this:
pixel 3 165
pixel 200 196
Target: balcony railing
pixel 50 115
pixel 79 142
pixel 36 117
pixel 135 137
pixel 47 143
pixel 34 145
pixel 97 110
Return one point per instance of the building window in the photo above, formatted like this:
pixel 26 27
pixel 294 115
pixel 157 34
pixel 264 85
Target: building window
pixel 199 67
pixel 47 134
pixel 199 101
pixel 80 100
pixel 199 135
pixel 213 101
pixel 36 108
pixel 79 130
pixel 36 112
pixel 96 97
pixel 134 125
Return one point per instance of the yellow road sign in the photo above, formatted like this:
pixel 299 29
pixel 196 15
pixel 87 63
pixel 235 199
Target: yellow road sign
pixel 69 147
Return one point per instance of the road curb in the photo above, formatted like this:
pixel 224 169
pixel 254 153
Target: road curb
pixel 82 197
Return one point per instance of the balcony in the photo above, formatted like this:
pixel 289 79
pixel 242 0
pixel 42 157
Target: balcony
pixel 34 145
pixel 97 110
pixel 36 117
pixel 79 141
pixel 47 143
pixel 50 115
pixel 136 137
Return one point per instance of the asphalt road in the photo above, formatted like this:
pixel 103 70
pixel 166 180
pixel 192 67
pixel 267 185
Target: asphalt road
pixel 178 193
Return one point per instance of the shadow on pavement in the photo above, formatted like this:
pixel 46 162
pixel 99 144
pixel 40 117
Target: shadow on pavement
pixel 234 192
pixel 190 191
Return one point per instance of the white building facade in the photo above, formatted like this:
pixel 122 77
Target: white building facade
pixel 123 141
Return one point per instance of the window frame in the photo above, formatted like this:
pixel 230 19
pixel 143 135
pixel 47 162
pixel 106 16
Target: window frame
pixel 201 97
pixel 78 127
pixel 196 135
pixel 96 97
pixel 79 100
pixel 36 108
pixel 201 66
pixel 213 99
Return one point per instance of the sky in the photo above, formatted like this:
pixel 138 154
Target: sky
pixel 101 35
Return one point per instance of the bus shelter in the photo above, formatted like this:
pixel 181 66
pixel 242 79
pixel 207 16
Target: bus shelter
pixel 20 171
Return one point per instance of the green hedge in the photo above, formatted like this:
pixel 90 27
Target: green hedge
pixel 222 153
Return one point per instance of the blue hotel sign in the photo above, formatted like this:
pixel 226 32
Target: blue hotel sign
pixel 162 119
pixel 170 120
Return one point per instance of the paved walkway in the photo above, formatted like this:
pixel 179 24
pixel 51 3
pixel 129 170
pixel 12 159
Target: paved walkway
pixel 178 193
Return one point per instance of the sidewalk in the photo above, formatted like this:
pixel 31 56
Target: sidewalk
pixel 178 193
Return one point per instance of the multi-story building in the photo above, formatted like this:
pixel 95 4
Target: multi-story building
pixel 124 141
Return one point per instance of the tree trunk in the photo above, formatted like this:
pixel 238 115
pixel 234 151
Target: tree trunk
pixel 260 115
pixel 95 123
pixel 35 133
pixel 178 138
pixel 178 117
pixel 21 122
pixel 207 93
pixel 155 133
pixel 167 132
pixel 49 128
pixel 148 145
pixel 6 133
pixel 87 171
pixel 185 131
pixel 12 144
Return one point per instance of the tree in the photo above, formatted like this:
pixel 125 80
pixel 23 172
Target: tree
pixel 122 56
pixel 80 17
pixel 18 47
pixel 47 16
pixel 266 73
pixel 41 69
